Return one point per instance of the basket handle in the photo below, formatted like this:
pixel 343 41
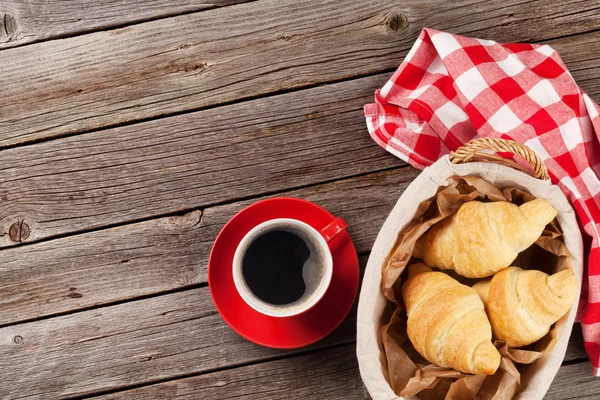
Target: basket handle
pixel 472 152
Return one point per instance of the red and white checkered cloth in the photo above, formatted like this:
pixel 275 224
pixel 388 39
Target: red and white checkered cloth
pixel 451 89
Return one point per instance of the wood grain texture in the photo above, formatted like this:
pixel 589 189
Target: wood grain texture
pixel 218 56
pixel 27 21
pixel 141 342
pixel 189 161
pixel 164 254
pixel 128 344
pixel 329 374
pixel 575 381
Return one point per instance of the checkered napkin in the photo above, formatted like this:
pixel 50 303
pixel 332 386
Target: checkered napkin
pixel 451 89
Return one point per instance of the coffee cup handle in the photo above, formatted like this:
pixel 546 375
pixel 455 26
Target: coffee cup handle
pixel 333 229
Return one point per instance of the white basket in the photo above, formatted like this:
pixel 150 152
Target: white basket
pixel 536 380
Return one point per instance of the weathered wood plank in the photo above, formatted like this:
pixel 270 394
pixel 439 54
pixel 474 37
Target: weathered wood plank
pixel 127 344
pixel 189 161
pixel 204 59
pixel 164 254
pixel 28 21
pixel 575 381
pixel 330 374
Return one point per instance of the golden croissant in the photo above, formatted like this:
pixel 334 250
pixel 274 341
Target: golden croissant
pixel 447 323
pixel 483 238
pixel 523 304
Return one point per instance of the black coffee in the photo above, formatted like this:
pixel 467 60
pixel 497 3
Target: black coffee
pixel 272 267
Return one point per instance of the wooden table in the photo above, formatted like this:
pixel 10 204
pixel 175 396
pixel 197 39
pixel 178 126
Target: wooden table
pixel 133 130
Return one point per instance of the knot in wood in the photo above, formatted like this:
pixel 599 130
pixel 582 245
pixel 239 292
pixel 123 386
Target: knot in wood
pixel 18 339
pixel 8 27
pixel 396 22
pixel 19 231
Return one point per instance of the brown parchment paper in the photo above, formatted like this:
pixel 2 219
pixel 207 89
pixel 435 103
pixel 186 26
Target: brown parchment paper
pixel 409 373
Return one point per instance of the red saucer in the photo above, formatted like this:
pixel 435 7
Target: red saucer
pixel 282 332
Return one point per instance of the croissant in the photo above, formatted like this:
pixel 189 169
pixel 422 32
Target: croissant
pixel 483 238
pixel 447 323
pixel 523 304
